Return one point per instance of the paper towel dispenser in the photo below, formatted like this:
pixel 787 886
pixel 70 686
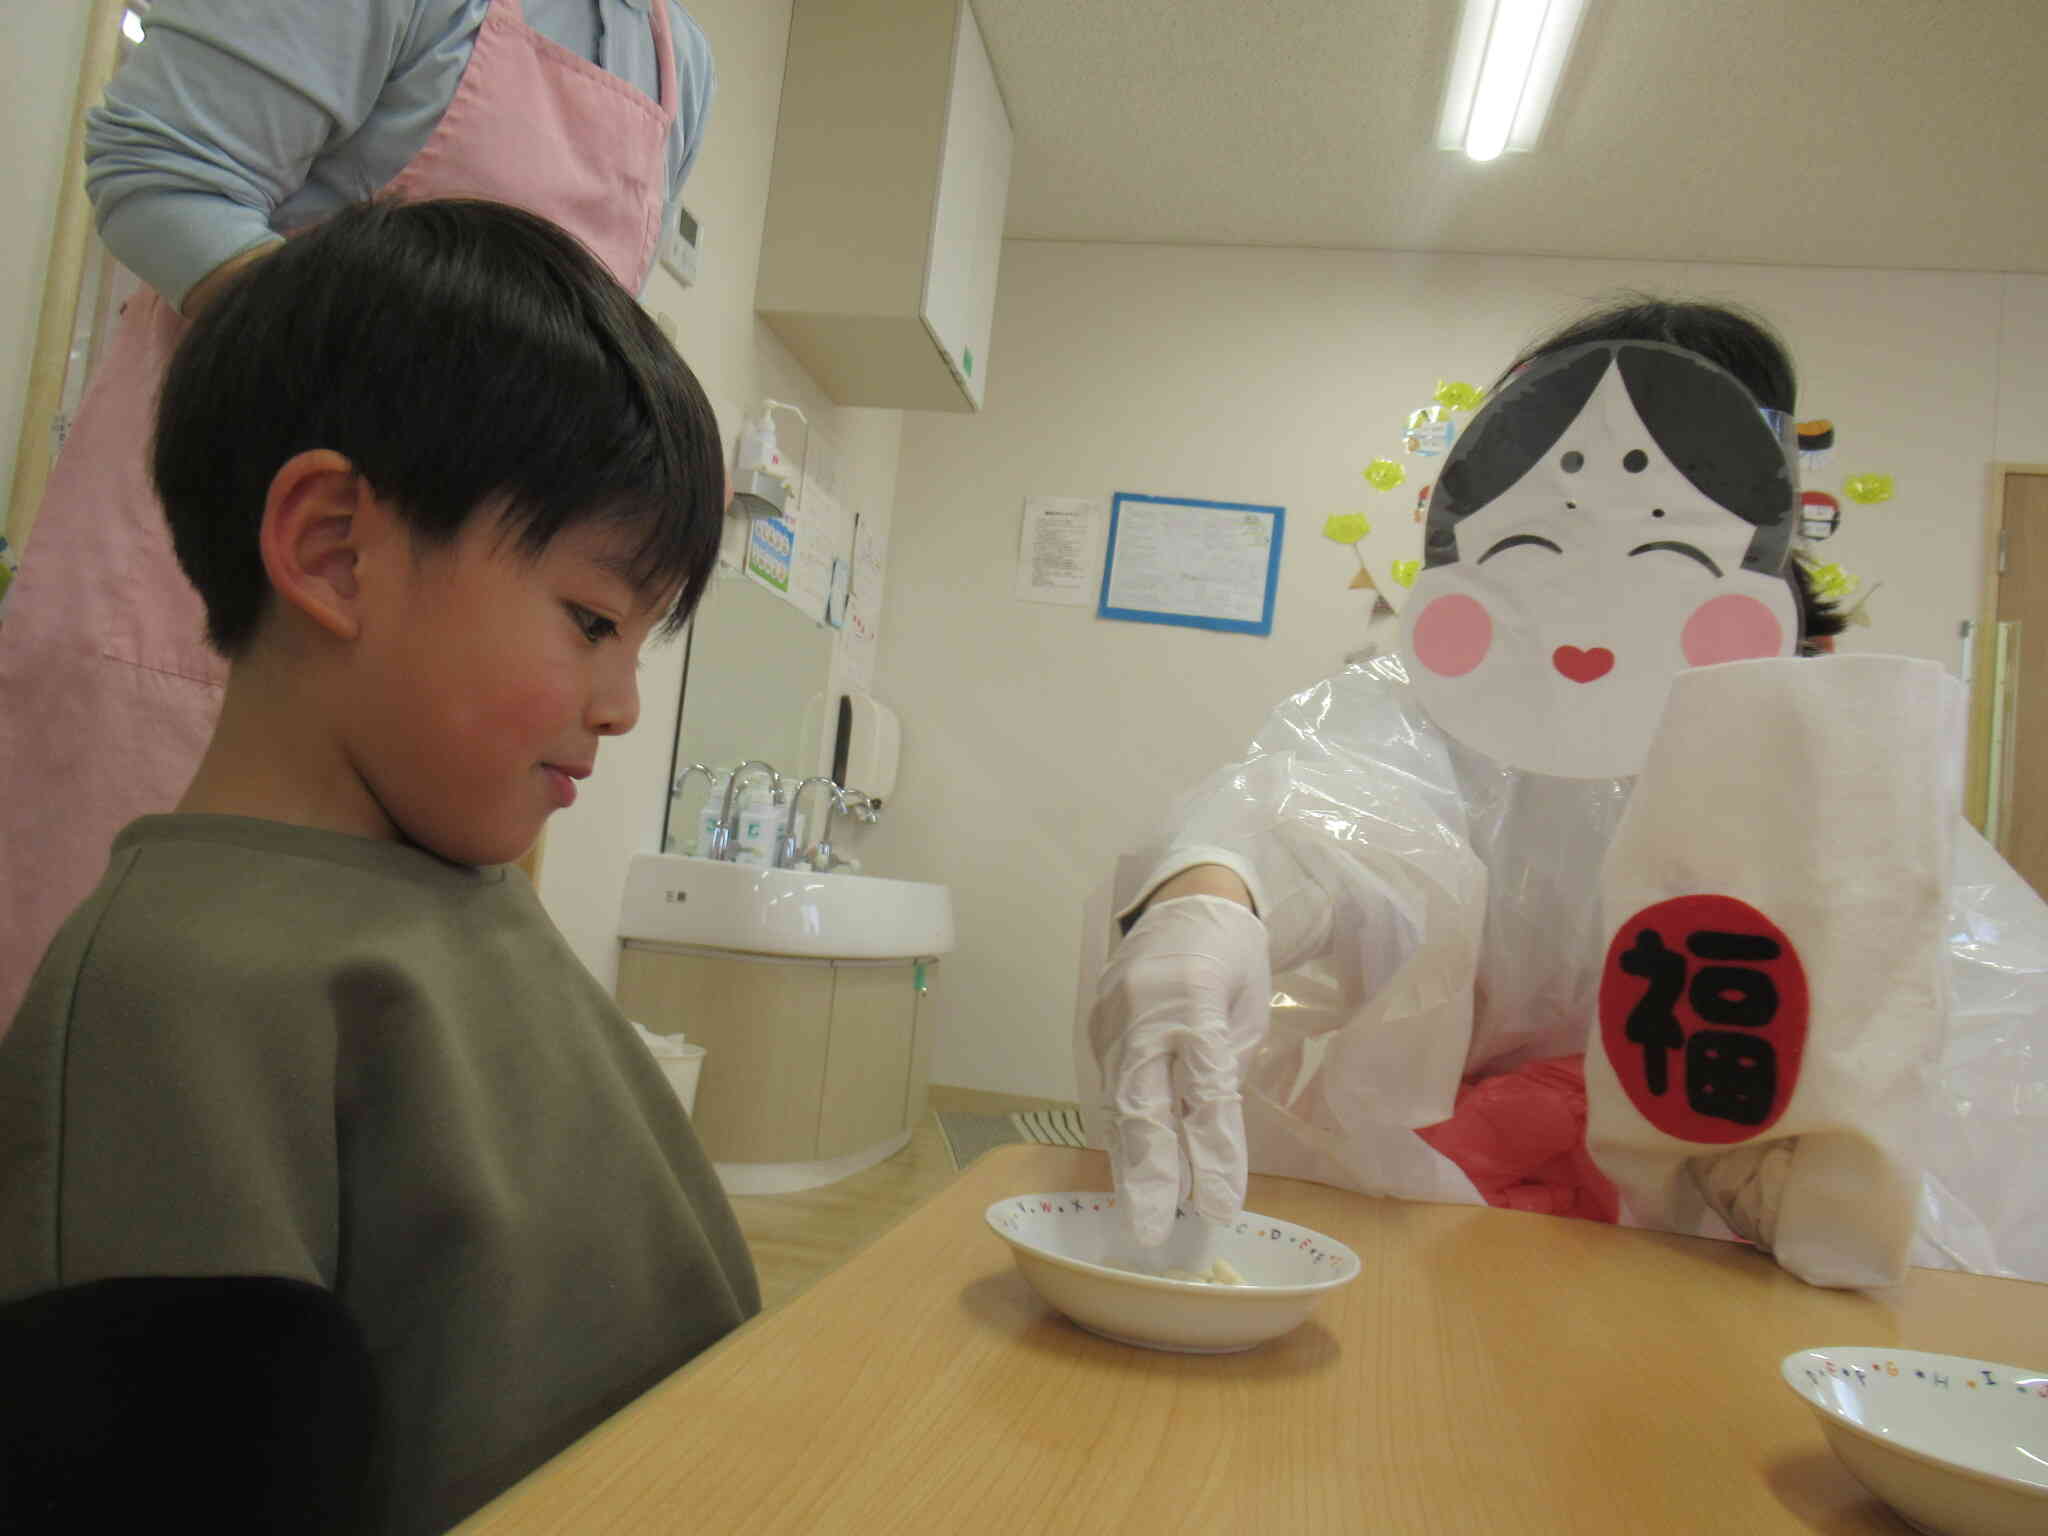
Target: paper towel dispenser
pixel 864 746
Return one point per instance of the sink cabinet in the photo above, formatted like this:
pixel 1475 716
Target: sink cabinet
pixel 806 1060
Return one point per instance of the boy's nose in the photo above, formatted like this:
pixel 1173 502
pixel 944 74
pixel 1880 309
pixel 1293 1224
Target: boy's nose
pixel 615 706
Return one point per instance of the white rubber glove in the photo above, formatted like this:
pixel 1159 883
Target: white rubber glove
pixel 1179 1010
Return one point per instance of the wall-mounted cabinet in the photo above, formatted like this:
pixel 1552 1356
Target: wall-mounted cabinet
pixel 885 206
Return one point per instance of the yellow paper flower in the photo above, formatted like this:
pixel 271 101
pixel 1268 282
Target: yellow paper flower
pixel 1455 395
pixel 1384 474
pixel 1347 527
pixel 1832 582
pixel 1868 489
pixel 1404 572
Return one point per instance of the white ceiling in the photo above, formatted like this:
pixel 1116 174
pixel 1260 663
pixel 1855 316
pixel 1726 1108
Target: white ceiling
pixel 1862 133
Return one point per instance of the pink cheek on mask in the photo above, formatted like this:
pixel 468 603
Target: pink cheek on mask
pixel 1452 635
pixel 1731 629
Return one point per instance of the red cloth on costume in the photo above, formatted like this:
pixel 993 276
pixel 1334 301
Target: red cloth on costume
pixel 1520 1137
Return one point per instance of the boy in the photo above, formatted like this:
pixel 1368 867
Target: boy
pixel 437 477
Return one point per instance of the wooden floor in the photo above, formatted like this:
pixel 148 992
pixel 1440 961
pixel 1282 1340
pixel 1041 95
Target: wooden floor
pixel 796 1239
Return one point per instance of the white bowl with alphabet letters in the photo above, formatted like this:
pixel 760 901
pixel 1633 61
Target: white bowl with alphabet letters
pixel 1958 1447
pixel 1212 1288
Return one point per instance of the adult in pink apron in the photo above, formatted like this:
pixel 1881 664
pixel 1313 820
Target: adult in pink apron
pixel 108 692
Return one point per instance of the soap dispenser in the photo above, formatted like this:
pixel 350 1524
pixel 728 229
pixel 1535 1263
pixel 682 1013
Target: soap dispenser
pixel 762 477
pixel 760 824
pixel 758 451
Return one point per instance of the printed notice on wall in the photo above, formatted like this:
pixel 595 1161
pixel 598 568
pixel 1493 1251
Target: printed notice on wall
pixel 1207 564
pixel 770 543
pixel 854 647
pixel 1059 550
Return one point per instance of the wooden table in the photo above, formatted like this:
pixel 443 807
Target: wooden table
pixel 1490 1372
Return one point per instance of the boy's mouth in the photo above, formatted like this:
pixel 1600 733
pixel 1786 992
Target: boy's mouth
pixel 562 781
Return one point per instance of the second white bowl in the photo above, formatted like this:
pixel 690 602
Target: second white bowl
pixel 1957 1446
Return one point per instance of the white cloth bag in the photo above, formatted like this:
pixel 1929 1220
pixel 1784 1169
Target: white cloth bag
pixel 1807 806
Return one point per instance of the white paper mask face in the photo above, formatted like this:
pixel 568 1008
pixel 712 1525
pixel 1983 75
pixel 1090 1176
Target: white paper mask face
pixel 1586 584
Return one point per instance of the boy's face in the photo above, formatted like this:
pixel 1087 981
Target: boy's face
pixel 489 680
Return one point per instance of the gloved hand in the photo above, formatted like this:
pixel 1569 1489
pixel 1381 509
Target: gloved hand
pixel 1179 1010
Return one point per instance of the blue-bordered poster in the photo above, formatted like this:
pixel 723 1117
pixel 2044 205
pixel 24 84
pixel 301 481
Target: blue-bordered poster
pixel 1208 564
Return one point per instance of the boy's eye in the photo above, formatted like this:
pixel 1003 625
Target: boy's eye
pixel 595 626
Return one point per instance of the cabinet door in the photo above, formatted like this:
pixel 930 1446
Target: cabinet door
pixel 763 1026
pixel 867 1065
pixel 967 218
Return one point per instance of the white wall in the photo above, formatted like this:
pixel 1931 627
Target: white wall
pixel 44 45
pixel 619 813
pixel 2022 435
pixel 1039 742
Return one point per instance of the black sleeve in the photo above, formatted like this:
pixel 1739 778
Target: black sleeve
pixel 238 1404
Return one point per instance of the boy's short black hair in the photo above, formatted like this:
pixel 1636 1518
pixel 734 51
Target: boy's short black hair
pixel 460 354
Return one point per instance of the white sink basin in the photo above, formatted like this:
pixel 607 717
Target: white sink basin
pixel 674 899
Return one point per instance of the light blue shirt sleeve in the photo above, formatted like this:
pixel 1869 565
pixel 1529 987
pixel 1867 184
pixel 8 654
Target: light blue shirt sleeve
pixel 696 85
pixel 237 119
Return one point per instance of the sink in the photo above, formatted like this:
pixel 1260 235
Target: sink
pixel 672 898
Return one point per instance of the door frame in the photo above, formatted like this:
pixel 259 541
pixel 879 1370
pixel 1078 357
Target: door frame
pixel 1983 646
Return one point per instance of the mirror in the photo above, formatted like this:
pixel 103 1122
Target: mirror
pixel 755 663
pixel 760 663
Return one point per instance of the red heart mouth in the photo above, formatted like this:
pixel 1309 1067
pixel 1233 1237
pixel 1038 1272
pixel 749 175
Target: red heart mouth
pixel 1582 666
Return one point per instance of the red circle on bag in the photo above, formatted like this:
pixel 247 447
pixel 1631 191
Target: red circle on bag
pixel 1703 1015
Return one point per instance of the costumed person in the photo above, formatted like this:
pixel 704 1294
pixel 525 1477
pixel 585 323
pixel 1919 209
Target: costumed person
pixel 234 124
pixel 1380 952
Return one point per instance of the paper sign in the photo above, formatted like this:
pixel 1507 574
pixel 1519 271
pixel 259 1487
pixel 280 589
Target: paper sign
pixel 1058 550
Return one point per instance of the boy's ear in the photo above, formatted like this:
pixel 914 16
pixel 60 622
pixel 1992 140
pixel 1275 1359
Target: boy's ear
pixel 316 518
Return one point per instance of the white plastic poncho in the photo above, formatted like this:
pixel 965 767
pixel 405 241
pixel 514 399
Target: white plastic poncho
pixel 1435 914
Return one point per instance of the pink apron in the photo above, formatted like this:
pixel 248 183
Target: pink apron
pixel 108 692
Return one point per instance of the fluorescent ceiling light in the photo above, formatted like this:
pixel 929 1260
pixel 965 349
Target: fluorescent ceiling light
pixel 1504 72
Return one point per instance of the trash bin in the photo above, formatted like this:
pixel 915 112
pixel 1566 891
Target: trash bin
pixel 681 1063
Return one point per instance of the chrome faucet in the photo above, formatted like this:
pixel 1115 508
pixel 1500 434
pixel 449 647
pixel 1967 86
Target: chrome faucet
pixel 682 779
pixel 728 811
pixel 787 854
pixel 682 782
pixel 860 805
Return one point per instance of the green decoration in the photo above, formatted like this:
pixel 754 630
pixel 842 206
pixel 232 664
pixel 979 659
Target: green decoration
pixel 1456 395
pixel 1384 474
